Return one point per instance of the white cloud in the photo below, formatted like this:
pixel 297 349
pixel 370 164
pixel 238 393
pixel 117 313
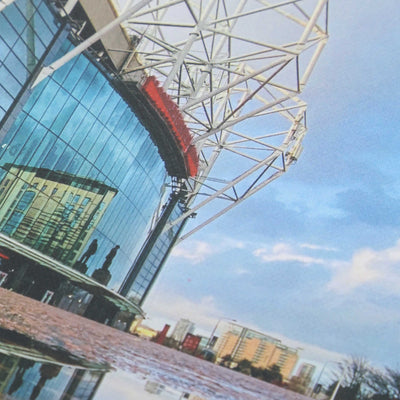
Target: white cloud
pixel 283 252
pixel 241 271
pixel 193 251
pixel 197 251
pixel 166 306
pixel 317 247
pixel 379 269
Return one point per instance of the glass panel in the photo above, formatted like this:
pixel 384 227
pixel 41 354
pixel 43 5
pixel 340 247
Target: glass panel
pixel 53 155
pixel 102 101
pixel 14 16
pixel 73 123
pixel 84 81
pixel 43 150
pixel 64 116
pixel 9 83
pixel 59 97
pixel 5 101
pixel 109 109
pixel 82 130
pixel 96 83
pixel 42 103
pixel 17 59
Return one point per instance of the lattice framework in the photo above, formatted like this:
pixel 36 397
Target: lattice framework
pixel 236 69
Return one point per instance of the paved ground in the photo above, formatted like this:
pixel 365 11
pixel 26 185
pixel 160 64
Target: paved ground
pixel 102 344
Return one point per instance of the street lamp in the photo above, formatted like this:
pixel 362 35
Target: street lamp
pixel 317 385
pixel 215 328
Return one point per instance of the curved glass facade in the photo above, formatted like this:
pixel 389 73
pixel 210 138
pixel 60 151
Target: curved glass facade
pixel 80 177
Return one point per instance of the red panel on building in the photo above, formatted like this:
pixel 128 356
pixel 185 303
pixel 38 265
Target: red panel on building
pixel 191 342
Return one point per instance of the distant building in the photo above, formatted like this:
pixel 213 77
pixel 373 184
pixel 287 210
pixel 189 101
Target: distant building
pixel 261 350
pixel 182 328
pixel 300 382
pixel 162 334
pixel 203 342
pixel 306 373
pixel 146 332
pixel 191 343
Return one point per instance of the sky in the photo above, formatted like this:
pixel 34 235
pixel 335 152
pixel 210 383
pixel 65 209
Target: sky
pixel 314 258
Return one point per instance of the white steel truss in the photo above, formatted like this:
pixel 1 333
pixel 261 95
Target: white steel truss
pixel 236 69
pixel 5 3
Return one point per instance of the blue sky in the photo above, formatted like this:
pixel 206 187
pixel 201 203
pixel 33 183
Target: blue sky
pixel 314 258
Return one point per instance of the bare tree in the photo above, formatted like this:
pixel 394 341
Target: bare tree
pixel 378 381
pixel 394 382
pixel 354 373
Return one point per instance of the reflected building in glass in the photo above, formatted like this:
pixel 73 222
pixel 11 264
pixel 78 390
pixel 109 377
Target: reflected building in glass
pixel 88 179
pixel 29 375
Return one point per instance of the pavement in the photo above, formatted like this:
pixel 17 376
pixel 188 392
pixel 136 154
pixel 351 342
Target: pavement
pixel 98 343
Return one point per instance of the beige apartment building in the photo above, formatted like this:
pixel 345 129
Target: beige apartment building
pixel 262 350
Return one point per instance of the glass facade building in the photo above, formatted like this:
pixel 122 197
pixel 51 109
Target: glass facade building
pixel 81 179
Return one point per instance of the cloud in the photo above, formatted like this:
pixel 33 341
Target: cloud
pixel 241 271
pixel 169 306
pixel 194 252
pixel 317 247
pixel 283 252
pixel 378 269
pixel 197 251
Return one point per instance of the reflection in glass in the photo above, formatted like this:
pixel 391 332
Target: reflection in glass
pixel 53 212
pixel 29 374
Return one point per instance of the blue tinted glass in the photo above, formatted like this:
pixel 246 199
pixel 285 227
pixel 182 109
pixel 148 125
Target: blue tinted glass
pixel 53 155
pixel 84 81
pixel 22 56
pixel 42 103
pixel 75 166
pixel 4 49
pixel 78 67
pixel 5 100
pixel 14 16
pixel 105 159
pixel 102 101
pixel 10 84
pixel 63 72
pixel 100 142
pixel 64 115
pixel 8 34
pixel 43 33
pixel 109 108
pixel 82 130
pixel 92 134
pixel 47 16
pixel 73 123
pixel 60 96
pixel 95 86
pixel 65 159
pixel 43 150
pixel 118 112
